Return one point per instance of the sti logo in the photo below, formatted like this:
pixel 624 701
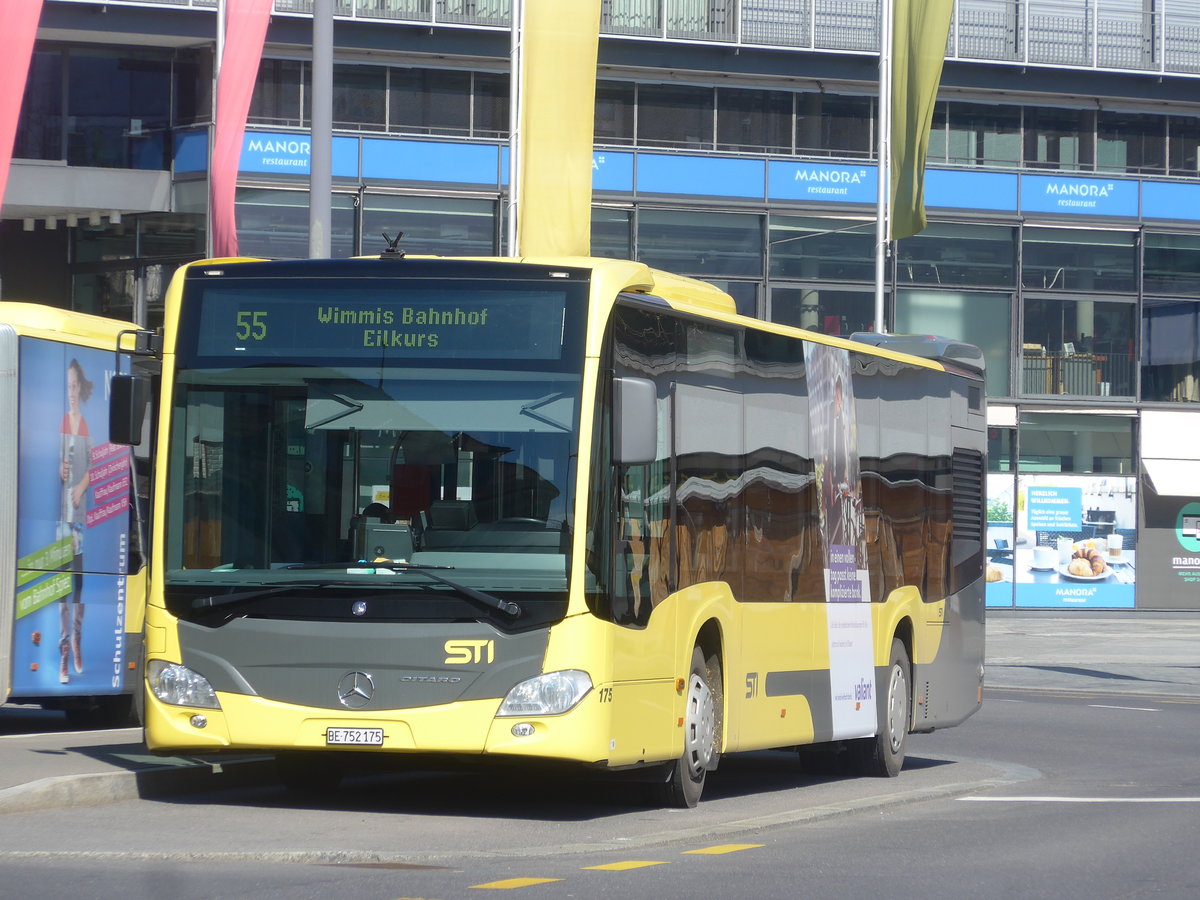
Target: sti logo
pixel 460 653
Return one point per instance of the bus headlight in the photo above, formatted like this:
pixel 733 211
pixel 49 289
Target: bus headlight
pixel 179 685
pixel 550 694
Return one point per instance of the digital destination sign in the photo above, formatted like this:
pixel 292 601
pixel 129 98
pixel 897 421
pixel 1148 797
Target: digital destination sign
pixel 374 320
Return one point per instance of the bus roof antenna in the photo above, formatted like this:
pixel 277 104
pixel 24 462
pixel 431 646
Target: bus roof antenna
pixel 393 250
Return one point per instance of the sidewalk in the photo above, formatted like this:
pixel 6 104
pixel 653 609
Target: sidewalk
pixel 1146 653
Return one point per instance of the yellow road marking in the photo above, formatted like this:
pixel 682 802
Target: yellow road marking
pixel 724 848
pixel 627 864
pixel 509 884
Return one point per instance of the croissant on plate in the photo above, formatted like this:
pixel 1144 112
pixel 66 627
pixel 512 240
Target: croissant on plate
pixel 1094 560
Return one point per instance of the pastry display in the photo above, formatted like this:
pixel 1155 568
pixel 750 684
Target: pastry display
pixel 1087 562
pixel 994 573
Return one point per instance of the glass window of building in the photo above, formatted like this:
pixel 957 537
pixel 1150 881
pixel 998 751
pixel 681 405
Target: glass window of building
pixel 612 234
pixel 675 115
pixel 1128 142
pixel 40 126
pixel 982 134
pixel 614 112
pixel 1059 138
pixel 700 243
pixel 430 101
pixel 1067 442
pixel 1171 263
pixel 359 98
pixel 754 121
pixel 490 116
pixel 445 226
pixel 977 317
pixel 833 125
pixel 276 99
pixel 1078 347
pixel 118 109
pixel 803 247
pixel 826 309
pixel 193 87
pixel 1075 259
pixel 958 254
pixel 1001 444
pixel 274 223
pixel 1171 350
pixel 1183 139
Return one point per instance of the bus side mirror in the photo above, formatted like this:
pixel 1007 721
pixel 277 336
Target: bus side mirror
pixel 129 395
pixel 635 421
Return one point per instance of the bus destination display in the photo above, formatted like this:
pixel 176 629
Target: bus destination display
pixel 327 323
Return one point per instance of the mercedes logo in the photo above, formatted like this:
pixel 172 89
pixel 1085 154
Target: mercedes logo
pixel 355 690
pixel 359 608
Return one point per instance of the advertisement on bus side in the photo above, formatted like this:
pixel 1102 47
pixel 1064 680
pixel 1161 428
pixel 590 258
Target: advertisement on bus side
pixel 73 510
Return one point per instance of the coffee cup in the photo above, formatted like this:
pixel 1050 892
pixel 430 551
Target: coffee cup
pixel 1116 544
pixel 1045 557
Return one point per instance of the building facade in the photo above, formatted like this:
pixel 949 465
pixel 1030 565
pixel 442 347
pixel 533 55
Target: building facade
pixel 735 142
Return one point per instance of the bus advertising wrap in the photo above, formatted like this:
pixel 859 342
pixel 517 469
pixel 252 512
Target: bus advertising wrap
pixel 843 532
pixel 72 526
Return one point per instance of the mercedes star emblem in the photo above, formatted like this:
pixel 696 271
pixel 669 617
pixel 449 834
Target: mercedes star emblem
pixel 355 690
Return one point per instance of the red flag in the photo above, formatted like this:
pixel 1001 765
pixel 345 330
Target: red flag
pixel 18 28
pixel 245 32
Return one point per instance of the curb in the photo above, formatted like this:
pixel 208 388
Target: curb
pixel 65 791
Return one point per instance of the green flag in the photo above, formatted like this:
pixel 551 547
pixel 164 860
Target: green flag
pixel 918 50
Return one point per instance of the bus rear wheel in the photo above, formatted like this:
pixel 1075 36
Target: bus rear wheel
pixel 702 733
pixel 883 755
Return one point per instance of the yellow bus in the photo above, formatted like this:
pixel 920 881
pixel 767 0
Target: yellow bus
pixel 552 509
pixel 72 573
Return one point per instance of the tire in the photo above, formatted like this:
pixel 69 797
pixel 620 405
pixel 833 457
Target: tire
pixel 883 755
pixel 702 725
pixel 307 771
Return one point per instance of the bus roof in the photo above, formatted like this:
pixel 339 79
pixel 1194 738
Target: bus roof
pixel 54 323
pixel 617 276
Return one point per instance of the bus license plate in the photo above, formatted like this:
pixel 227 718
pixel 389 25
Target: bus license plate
pixel 357 737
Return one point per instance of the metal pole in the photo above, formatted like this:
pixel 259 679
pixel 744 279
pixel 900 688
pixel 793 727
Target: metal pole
pixel 515 69
pixel 320 175
pixel 218 56
pixel 884 150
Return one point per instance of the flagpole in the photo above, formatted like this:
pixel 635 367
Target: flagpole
pixel 883 155
pixel 514 124
pixel 320 169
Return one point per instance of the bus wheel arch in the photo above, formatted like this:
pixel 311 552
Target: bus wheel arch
pixel 882 756
pixel 703 723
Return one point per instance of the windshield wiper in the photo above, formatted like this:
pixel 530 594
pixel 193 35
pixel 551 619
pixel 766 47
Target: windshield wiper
pixel 489 600
pixel 241 596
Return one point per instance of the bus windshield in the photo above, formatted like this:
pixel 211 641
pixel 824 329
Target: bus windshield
pixel 308 457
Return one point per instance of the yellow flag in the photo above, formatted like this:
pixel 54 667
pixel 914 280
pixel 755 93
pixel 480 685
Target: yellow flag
pixel 918 51
pixel 557 123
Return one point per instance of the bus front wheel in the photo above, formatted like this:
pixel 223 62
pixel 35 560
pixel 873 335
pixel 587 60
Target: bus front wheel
pixel 883 755
pixel 702 733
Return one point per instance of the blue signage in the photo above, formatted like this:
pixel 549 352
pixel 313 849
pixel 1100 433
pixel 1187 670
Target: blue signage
pixel 971 190
pixel 1065 595
pixel 1055 508
pixel 191 151
pixel 1167 200
pixel 290 152
pixel 821 182
pixel 699 175
pixel 612 171
pixel 1078 196
pixel 437 161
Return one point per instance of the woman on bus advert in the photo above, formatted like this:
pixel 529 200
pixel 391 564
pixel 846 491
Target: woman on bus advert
pixel 75 452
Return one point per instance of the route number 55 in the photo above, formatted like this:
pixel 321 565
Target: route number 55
pixel 251 326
